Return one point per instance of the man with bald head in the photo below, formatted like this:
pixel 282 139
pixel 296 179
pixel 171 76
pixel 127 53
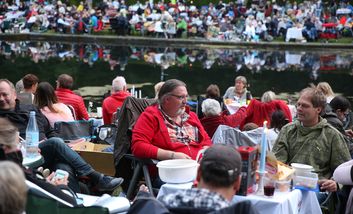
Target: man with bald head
pixel 64 85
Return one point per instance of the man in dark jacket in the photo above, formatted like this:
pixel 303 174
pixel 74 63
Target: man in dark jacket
pixel 53 149
pixel 336 114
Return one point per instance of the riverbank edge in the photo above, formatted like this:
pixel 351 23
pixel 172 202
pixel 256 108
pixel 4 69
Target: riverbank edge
pixel 178 43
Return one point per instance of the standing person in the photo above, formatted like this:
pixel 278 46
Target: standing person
pixel 312 140
pixel 53 149
pixel 67 96
pixel 238 91
pixel 169 130
pixel 115 100
pixel 47 101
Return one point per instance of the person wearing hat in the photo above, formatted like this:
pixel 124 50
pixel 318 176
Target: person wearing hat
pixel 218 176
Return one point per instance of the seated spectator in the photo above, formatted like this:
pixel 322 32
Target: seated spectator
pixel 278 120
pixel 115 100
pixel 311 140
pixel 157 88
pixel 336 114
pixel 326 89
pixel 343 174
pixel 13 189
pixel 30 84
pixel 215 117
pixel 250 126
pixel 219 178
pixel 65 95
pixel 213 92
pixel 169 130
pixel 47 101
pixel 53 149
pixel 238 92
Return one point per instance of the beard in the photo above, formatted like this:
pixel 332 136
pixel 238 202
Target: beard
pixel 180 111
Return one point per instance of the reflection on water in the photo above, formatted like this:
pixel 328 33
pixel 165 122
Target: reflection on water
pixel 260 66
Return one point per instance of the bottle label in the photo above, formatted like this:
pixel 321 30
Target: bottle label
pixel 32 141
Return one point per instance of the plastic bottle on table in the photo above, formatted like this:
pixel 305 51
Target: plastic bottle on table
pixel 32 136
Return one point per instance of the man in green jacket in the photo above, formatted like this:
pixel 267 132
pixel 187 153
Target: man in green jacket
pixel 312 140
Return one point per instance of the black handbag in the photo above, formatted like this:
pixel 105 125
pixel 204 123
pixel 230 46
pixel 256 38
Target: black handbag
pixel 74 130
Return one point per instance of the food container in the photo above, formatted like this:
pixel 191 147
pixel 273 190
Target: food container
pixel 177 170
pixel 283 186
pixel 302 168
pixel 306 179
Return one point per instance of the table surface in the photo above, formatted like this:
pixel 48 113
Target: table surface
pixel 294 202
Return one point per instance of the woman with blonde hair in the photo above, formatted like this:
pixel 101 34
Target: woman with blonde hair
pixel 326 89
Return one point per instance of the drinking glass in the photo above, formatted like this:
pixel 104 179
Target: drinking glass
pixel 269 187
pixel 103 133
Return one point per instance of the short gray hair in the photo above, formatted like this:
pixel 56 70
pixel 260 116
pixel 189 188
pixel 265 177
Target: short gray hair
pixel 211 107
pixel 168 87
pixel 242 79
pixel 268 96
pixel 118 83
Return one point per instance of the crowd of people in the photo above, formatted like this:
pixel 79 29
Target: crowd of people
pixel 239 21
pixel 168 130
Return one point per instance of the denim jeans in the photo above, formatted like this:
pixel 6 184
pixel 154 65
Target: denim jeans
pixel 58 155
pixel 54 151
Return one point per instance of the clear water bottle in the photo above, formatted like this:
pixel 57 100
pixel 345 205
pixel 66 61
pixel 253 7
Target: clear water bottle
pixel 32 136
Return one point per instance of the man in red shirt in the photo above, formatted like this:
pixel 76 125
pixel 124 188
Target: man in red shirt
pixel 68 97
pixel 115 100
pixel 169 130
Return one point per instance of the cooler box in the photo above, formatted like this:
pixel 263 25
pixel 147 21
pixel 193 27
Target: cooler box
pixel 249 160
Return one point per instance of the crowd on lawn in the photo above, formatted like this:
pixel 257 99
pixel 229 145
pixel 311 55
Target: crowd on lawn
pixel 239 21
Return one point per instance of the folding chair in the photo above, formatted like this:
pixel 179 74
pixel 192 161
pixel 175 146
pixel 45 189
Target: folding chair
pixel 41 201
pixel 72 109
pixel 123 159
pixel 74 130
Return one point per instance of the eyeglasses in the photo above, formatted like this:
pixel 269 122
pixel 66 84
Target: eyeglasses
pixel 180 97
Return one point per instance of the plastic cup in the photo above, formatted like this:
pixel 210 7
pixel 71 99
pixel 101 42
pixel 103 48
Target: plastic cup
pixel 283 186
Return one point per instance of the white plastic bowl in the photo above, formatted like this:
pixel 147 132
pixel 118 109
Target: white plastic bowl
pixel 177 171
pixel 302 168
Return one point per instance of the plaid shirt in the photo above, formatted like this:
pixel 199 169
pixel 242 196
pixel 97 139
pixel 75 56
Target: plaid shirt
pixel 183 133
pixel 195 198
